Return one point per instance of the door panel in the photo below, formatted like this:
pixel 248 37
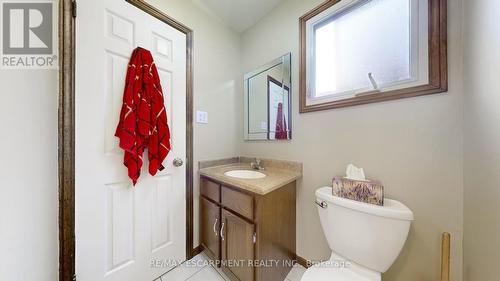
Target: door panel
pixel 119 216
pixel 120 229
pixel 238 246
pixel 210 223
pixel 161 214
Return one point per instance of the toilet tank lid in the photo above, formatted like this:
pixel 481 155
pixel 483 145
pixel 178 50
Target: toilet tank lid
pixel 391 209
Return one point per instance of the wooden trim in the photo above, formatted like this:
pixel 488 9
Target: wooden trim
pixel 445 256
pixel 66 140
pixel 438 62
pixel 302 261
pixel 66 132
pixel 197 250
pixel 153 11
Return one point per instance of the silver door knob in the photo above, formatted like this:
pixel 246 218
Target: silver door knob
pixel 178 162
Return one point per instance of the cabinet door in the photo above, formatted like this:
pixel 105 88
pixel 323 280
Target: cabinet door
pixel 210 227
pixel 237 246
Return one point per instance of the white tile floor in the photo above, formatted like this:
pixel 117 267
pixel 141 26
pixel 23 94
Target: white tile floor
pixel 198 269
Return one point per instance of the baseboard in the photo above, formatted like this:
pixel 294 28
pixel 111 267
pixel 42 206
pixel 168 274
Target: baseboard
pixel 196 251
pixel 302 261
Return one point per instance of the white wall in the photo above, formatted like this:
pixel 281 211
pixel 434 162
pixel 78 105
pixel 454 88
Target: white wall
pixel 28 175
pixel 217 85
pixel 412 145
pixel 482 140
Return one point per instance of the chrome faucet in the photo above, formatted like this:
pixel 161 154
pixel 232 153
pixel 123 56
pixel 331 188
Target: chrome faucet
pixel 257 165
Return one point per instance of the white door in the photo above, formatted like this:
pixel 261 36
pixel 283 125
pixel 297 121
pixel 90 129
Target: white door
pixel 120 229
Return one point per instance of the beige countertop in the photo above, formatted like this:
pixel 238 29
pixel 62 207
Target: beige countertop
pixel 278 174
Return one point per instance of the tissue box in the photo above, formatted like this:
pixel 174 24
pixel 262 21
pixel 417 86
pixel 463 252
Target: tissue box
pixel 364 191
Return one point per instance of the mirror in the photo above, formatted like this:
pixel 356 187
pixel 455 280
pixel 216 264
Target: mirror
pixel 267 98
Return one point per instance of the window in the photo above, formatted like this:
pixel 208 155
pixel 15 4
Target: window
pixel 361 51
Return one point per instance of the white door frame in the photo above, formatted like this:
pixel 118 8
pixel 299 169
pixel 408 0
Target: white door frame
pixel 67 46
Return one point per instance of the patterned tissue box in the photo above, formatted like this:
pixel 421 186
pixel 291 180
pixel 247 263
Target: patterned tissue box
pixel 364 191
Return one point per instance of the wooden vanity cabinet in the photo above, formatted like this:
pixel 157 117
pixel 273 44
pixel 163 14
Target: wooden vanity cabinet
pixel 239 228
pixel 237 246
pixel 210 227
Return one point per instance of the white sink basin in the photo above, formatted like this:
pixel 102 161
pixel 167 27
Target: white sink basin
pixel 245 174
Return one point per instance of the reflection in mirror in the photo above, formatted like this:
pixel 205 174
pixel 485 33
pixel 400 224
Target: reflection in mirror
pixel 268 101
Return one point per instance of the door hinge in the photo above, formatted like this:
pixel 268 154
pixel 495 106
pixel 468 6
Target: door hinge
pixel 74 277
pixel 73 8
pixel 254 238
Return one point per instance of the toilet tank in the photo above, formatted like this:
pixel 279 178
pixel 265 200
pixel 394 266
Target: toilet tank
pixel 369 235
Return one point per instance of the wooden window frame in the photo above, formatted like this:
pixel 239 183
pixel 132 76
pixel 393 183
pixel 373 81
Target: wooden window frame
pixel 438 62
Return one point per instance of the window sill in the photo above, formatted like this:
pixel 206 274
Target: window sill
pixel 373 97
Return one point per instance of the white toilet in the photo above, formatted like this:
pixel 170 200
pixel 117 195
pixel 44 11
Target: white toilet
pixel 365 239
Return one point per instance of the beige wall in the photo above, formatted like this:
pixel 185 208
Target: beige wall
pixel 217 85
pixel 482 140
pixel 413 146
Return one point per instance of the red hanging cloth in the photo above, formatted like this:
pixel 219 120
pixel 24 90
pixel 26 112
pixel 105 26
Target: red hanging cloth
pixel 281 133
pixel 143 118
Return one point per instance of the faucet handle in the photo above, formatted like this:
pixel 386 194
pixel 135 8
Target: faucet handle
pixel 256 165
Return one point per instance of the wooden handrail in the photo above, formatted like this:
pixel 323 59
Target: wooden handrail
pixel 445 256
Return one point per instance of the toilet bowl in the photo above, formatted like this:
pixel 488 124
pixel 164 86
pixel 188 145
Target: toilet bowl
pixel 365 239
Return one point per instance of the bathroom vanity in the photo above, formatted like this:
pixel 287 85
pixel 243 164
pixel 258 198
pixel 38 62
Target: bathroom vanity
pixel 247 222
